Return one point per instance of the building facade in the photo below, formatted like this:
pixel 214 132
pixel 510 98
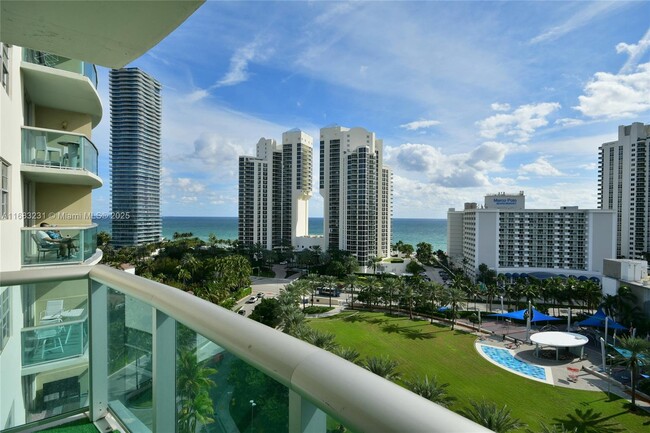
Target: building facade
pixel 135 155
pixel 49 169
pixel 357 192
pixel 624 187
pixel 274 190
pixel 513 239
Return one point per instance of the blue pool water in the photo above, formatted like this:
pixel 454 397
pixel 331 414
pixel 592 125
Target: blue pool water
pixel 504 357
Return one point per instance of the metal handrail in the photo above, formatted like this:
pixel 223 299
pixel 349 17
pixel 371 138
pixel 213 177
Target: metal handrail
pixel 354 396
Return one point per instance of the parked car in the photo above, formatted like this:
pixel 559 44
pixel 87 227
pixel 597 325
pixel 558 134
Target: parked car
pixel 252 300
pixel 241 312
pixel 260 295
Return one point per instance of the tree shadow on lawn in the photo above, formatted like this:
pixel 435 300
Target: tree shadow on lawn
pixel 589 421
pixel 361 317
pixel 411 334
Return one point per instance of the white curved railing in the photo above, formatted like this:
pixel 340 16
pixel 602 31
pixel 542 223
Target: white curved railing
pixel 358 398
pixel 316 379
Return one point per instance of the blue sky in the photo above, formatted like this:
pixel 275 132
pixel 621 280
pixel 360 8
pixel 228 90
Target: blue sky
pixel 470 98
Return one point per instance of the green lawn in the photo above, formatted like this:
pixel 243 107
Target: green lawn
pixel 421 349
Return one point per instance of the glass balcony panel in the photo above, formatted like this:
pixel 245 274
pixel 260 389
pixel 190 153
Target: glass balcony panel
pixel 52 342
pixel 74 245
pixel 217 391
pixel 61 63
pixel 130 360
pixel 66 337
pixel 58 149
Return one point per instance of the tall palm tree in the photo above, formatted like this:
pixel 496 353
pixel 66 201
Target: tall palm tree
pixel 382 366
pixel 434 292
pixel 371 286
pixel 491 416
pixel 390 286
pixel 350 283
pixel 639 354
pixel 432 390
pixel 454 296
pixel 192 386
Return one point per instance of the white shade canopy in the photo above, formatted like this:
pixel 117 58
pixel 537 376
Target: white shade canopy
pixel 559 339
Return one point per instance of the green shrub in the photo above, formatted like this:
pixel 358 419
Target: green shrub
pixel 316 309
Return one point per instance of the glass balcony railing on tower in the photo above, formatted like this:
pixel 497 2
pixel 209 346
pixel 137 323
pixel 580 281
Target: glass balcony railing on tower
pixel 61 337
pixel 58 149
pixel 62 63
pixel 58 245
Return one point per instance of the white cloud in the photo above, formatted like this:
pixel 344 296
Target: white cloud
pixel 496 106
pixel 540 167
pixel 238 72
pixel 190 185
pixel 587 12
pixel 520 124
pixel 614 96
pixel 453 171
pixel 634 51
pixel 569 122
pixel 418 124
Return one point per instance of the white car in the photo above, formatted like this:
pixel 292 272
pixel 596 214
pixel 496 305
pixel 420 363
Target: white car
pixel 251 300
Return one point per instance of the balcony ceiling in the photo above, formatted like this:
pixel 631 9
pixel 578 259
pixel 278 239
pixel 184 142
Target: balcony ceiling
pixel 106 33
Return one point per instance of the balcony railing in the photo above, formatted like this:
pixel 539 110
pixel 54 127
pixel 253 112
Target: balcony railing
pixel 65 337
pixel 58 149
pixel 64 246
pixel 144 334
pixel 63 63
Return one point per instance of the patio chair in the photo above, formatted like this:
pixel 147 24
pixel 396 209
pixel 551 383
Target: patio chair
pixel 52 312
pixel 44 248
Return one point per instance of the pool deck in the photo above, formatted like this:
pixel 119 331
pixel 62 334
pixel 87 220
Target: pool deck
pixel 586 380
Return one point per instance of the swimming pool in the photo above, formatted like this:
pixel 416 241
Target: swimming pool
pixel 505 359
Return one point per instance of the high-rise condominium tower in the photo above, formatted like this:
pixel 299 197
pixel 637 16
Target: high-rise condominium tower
pixel 624 182
pixel 274 189
pixel 357 190
pixel 136 110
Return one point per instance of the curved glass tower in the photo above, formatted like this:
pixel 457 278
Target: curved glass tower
pixel 136 111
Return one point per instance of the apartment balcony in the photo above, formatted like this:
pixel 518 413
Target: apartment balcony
pixel 64 337
pixel 141 333
pixel 77 245
pixel 50 156
pixel 65 84
pixel 62 63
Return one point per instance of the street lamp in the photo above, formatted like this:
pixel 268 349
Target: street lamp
pixel 253 404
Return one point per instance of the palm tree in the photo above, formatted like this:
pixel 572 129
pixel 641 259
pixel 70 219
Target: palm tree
pixel 324 340
pixel 192 386
pixel 348 353
pixel 329 282
pixel 489 415
pixel 390 286
pixel 432 390
pixel 434 292
pixel 639 354
pixel 382 366
pixel 453 296
pixel 373 262
pixel 350 282
pixel 372 283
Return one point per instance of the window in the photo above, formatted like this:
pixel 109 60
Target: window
pixel 4 190
pixel 4 318
pixel 5 66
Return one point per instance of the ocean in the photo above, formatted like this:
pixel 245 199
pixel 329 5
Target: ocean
pixel 408 230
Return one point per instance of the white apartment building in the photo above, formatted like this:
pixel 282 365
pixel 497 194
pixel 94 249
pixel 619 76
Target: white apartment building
pixel 49 105
pixel 357 192
pixel 624 186
pixel 509 238
pixel 274 191
pixel 629 273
